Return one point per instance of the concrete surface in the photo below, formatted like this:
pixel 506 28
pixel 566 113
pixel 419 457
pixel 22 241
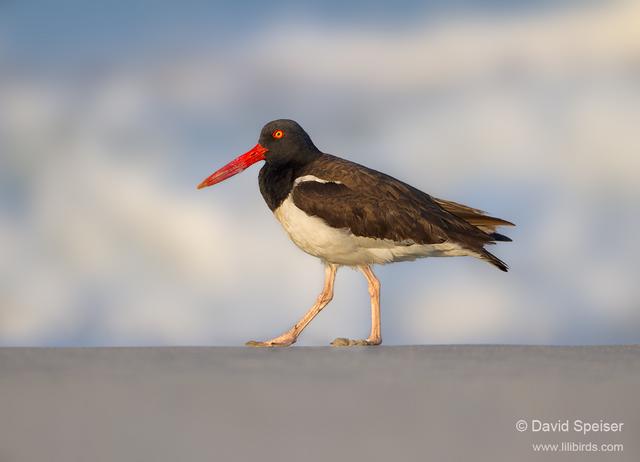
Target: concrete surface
pixel 423 403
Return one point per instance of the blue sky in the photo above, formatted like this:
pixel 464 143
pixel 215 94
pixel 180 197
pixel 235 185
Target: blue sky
pixel 51 33
pixel 112 114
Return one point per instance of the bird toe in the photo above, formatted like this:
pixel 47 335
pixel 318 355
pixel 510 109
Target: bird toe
pixel 271 343
pixel 342 342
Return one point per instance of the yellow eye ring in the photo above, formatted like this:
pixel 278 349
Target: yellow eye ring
pixel 277 134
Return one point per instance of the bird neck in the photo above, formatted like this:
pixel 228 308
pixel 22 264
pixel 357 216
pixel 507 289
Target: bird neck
pixel 276 182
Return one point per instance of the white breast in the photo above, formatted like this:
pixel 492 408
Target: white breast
pixel 340 246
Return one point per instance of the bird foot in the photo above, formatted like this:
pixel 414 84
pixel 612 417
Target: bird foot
pixel 343 342
pixel 281 341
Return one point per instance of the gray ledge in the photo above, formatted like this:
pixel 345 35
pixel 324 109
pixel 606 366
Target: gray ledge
pixel 419 403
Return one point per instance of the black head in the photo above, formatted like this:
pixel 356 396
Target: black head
pixel 282 143
pixel 287 143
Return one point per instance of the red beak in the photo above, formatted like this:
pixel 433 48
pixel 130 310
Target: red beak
pixel 234 167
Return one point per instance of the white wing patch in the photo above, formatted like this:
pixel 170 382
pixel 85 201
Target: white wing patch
pixel 302 179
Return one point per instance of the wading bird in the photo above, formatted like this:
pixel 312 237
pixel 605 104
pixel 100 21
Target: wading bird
pixel 348 214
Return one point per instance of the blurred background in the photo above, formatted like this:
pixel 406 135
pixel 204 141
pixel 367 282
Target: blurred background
pixel 112 113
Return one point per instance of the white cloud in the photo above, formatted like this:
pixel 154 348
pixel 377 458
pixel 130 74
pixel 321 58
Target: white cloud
pixel 468 313
pixel 455 51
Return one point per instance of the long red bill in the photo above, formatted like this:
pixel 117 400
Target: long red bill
pixel 234 167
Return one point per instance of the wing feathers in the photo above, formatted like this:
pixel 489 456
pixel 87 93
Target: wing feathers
pixel 476 217
pixel 373 204
pixel 364 215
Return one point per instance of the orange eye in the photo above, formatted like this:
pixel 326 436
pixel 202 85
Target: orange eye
pixel 277 134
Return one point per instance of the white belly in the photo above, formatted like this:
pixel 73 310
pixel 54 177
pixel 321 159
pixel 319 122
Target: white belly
pixel 340 246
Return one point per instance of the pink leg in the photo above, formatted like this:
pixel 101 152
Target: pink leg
pixel 375 337
pixel 290 337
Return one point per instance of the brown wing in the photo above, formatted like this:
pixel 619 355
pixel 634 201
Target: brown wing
pixel 366 215
pixel 372 204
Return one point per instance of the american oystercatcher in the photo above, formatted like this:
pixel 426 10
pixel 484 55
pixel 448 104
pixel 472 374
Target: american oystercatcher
pixel 348 214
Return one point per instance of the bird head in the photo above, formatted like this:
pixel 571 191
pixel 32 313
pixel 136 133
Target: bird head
pixel 281 141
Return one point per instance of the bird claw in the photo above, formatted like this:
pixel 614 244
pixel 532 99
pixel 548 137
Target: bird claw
pixel 343 342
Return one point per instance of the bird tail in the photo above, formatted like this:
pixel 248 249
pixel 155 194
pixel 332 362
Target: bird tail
pixel 477 218
pixel 484 223
pixel 500 237
pixel 495 261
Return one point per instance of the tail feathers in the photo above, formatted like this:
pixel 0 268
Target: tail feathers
pixel 476 217
pixel 495 261
pixel 500 237
pixel 485 223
